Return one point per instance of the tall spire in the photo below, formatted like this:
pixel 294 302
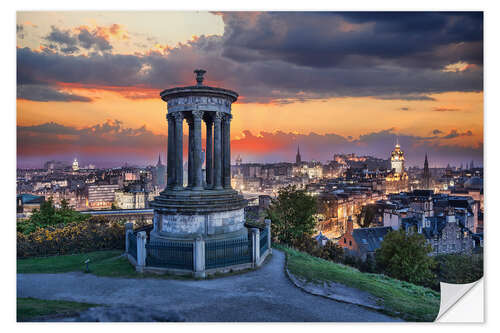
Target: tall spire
pixel 298 159
pixel 159 160
pixel 426 175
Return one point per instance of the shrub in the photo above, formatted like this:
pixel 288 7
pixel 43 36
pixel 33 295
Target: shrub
pixel 97 233
pixel 406 257
pixel 49 215
pixel 459 268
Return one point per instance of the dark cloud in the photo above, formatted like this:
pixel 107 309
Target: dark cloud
pixel 59 36
pixel 89 40
pixel 407 97
pixel 285 57
pixel 444 109
pixel 404 108
pixel 436 132
pixel 455 134
pixel 349 39
pixel 20 31
pixel 70 41
pixel 43 93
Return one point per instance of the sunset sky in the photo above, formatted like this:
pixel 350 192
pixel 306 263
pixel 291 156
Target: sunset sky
pixel 88 83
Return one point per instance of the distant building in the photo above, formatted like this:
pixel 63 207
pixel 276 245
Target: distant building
pixel 398 160
pixel 160 174
pixel 55 165
pixel 101 196
pixel 75 166
pixel 426 177
pixel 362 242
pixel 444 233
pixel 298 159
pixel 134 199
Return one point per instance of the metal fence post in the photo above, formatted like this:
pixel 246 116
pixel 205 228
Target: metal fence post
pixel 268 226
pixel 256 246
pixel 141 251
pixel 129 227
pixel 199 258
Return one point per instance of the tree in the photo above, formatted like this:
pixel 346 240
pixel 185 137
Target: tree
pixel 49 215
pixel 367 216
pixel 405 257
pixel 291 214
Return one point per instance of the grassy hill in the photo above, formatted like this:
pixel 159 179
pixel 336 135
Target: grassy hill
pixel 399 298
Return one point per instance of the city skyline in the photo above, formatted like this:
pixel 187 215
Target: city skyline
pixel 89 83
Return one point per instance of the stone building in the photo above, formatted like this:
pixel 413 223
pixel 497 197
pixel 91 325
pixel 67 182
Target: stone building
pixel 444 233
pixel 101 196
pixel 362 242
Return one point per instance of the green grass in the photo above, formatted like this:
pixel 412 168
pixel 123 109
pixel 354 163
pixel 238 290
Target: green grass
pixel 102 263
pixel 399 298
pixel 32 308
pixel 69 263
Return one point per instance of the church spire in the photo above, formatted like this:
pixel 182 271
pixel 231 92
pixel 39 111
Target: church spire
pixel 298 159
pixel 427 175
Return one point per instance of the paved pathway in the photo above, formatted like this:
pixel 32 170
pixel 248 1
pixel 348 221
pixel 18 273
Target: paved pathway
pixel 262 295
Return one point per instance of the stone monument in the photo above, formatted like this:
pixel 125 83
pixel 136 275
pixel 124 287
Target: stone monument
pixel 207 207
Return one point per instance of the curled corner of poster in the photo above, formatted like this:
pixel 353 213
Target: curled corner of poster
pixel 462 303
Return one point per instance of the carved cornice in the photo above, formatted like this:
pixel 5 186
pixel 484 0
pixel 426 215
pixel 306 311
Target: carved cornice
pixel 197 114
pixel 178 116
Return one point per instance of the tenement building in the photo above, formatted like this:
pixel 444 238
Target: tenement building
pixel 207 207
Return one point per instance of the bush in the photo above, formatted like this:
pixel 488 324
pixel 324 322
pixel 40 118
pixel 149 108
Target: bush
pixel 97 233
pixel 49 215
pixel 329 251
pixel 406 257
pixel 459 268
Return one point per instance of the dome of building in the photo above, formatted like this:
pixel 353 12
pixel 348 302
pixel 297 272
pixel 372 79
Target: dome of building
pixel 474 183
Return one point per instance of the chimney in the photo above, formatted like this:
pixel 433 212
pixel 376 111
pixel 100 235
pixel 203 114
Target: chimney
pixel 349 225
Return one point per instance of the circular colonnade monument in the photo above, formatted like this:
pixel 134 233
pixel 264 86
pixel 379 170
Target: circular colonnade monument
pixel 203 205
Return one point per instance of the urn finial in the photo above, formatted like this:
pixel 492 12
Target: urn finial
pixel 199 76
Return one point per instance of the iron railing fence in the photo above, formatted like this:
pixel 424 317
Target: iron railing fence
pixel 170 254
pixel 220 253
pixel 132 244
pixel 263 241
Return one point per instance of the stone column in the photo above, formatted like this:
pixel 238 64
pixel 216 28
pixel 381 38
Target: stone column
pixel 227 151
pixel 190 151
pixel 197 172
pixel 268 227
pixel 208 157
pixel 141 251
pixel 217 151
pixel 256 246
pixel 171 152
pixel 129 228
pixel 179 117
pixel 199 258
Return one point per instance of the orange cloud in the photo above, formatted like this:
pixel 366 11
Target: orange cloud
pixel 460 66
pixel 114 31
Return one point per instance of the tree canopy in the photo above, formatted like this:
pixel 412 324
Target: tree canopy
pixel 49 215
pixel 292 215
pixel 405 257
